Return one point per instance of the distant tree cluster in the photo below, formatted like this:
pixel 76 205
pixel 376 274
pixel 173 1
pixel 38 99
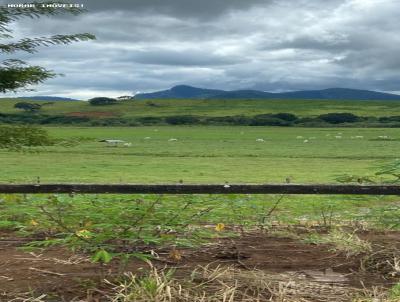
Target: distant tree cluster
pixel 102 101
pixel 31 107
pixel 339 118
pixel 333 119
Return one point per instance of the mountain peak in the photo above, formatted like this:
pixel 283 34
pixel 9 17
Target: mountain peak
pixel 182 87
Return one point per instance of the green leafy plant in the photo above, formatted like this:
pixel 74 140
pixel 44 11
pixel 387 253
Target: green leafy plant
pixel 109 227
pixel 387 173
pixel 360 179
pixel 390 170
pixel 102 256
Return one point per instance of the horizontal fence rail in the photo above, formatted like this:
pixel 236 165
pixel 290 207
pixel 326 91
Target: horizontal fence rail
pixel 201 189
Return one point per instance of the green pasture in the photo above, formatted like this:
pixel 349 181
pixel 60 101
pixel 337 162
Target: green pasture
pixel 204 155
pixel 140 108
pixel 197 155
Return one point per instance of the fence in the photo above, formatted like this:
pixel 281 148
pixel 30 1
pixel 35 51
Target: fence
pixel 202 189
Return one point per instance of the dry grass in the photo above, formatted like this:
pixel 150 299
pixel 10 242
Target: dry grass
pixel 228 284
pixel 29 297
pixel 385 261
pixel 376 294
pixel 225 285
pixel 348 243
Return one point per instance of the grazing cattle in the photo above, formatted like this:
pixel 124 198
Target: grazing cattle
pixel 173 140
pixel 112 142
pixel 260 140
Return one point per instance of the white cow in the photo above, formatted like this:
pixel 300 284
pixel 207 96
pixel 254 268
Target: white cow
pixel 112 142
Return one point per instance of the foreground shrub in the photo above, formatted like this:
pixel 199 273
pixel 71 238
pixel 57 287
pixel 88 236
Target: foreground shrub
pixel 16 138
pixel 108 227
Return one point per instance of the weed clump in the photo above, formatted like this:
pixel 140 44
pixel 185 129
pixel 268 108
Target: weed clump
pixel 342 241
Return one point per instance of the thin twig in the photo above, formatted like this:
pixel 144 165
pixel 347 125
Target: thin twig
pixel 46 271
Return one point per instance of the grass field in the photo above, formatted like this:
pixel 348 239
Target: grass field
pixel 245 247
pixel 139 108
pixel 204 155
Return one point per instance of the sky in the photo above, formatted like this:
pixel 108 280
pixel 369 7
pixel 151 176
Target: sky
pixel 269 45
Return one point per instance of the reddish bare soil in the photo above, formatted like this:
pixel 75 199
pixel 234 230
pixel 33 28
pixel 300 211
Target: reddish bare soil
pixel 92 114
pixel 59 273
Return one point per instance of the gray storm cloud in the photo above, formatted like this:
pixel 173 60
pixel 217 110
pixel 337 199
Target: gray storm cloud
pixel 260 44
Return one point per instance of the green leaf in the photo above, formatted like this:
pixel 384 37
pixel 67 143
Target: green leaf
pixel 102 256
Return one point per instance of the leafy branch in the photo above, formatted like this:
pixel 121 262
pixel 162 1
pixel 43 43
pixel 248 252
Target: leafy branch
pixel 16 74
pixel 30 44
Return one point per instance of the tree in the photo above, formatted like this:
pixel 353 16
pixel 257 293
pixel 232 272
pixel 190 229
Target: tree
pixel 101 101
pixel 16 74
pixel 28 106
pixel 339 118
pixel 286 116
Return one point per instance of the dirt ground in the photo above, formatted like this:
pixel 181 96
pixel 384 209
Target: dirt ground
pixel 66 276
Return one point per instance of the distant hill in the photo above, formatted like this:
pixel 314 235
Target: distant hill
pixel 181 92
pixel 189 92
pixel 46 98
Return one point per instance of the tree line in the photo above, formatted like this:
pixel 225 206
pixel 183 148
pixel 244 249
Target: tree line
pixel 269 119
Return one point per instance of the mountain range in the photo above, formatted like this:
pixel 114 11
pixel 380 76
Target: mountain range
pixel 190 92
pixel 47 98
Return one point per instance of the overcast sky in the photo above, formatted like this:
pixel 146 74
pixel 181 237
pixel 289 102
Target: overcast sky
pixel 270 45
